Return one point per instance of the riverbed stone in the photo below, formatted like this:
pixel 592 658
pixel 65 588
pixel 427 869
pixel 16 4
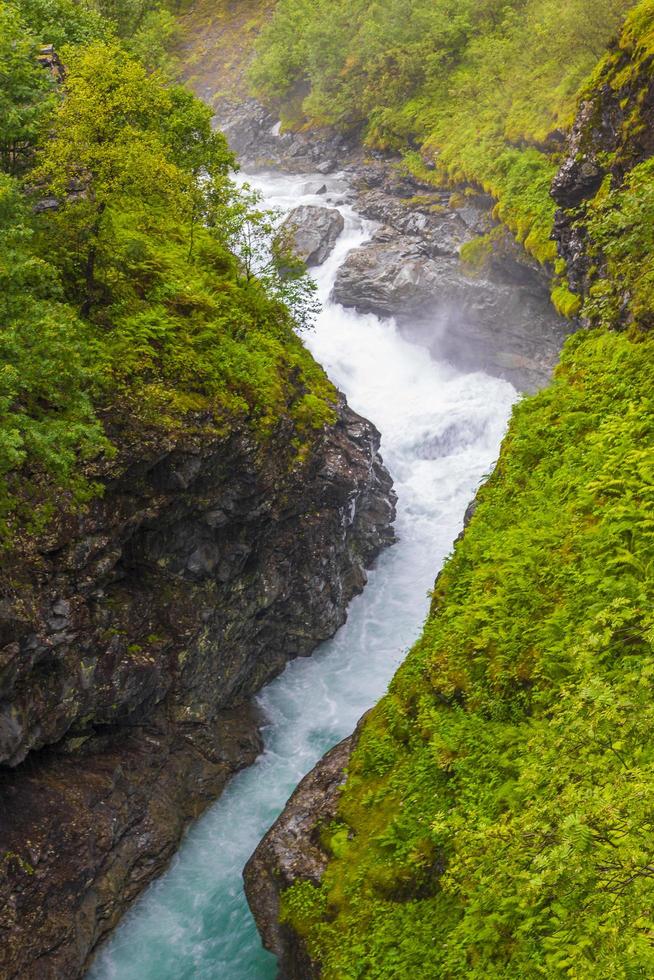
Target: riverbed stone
pixel 313 232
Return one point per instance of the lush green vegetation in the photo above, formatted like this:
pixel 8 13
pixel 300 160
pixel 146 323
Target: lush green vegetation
pixel 618 221
pixel 139 286
pixel 497 817
pixel 481 88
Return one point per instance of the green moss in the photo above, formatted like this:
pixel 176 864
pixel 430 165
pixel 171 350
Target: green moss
pixel 567 303
pixel 620 225
pixel 303 907
pixel 475 254
pixel 496 821
pixel 638 33
pixel 10 857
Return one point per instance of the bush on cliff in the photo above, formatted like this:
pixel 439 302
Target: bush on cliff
pixel 127 297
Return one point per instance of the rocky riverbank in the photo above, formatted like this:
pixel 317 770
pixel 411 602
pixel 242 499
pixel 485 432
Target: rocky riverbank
pixel 292 851
pixel 131 646
pixel 497 318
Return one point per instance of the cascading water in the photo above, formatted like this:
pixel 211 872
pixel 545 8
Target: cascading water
pixel 441 431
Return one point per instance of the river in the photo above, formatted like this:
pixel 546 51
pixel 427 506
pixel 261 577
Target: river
pixel 441 432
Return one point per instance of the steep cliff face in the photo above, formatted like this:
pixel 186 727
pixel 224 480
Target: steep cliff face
pixel 131 642
pixel 612 135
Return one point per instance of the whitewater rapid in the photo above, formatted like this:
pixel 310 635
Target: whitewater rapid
pixel 441 431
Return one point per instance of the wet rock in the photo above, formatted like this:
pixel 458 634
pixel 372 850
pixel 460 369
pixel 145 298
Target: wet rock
pixel 578 179
pixel 500 321
pixel 85 828
pixel 441 230
pixel 314 231
pixel 255 136
pixel 507 328
pixel 391 274
pixel 290 852
pixel 131 645
pixel 609 138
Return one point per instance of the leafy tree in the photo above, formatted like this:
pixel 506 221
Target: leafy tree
pixel 263 245
pixel 124 144
pixel 47 422
pixel 62 22
pixel 120 140
pixel 25 91
pixel 128 16
pixel 151 44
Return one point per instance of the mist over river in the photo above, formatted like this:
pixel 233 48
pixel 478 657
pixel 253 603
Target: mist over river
pixel 441 432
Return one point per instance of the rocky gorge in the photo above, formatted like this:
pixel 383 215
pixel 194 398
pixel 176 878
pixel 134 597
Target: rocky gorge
pixel 142 632
pixel 131 646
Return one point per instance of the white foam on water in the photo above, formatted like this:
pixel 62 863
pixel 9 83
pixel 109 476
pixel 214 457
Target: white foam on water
pixel 441 432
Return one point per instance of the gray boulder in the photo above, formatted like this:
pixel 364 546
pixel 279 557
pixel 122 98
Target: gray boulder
pixel 392 275
pixel 493 322
pixel 314 231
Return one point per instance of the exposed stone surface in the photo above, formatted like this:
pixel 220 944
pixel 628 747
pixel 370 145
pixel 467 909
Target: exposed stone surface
pixel 132 645
pixel 201 572
pixel 608 138
pixel 440 229
pixel 490 321
pixel 392 274
pixel 314 231
pixel 255 136
pixel 84 831
pixel 290 852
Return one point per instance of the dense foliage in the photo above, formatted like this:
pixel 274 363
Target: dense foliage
pixel 497 817
pixel 482 88
pixel 139 286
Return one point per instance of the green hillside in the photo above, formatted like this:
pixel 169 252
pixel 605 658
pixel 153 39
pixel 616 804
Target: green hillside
pixel 497 816
pixel 480 91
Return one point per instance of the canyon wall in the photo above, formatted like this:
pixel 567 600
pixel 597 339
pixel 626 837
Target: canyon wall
pixel 133 639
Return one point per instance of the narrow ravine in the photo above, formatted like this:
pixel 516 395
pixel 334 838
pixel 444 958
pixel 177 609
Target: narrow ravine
pixel 441 432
